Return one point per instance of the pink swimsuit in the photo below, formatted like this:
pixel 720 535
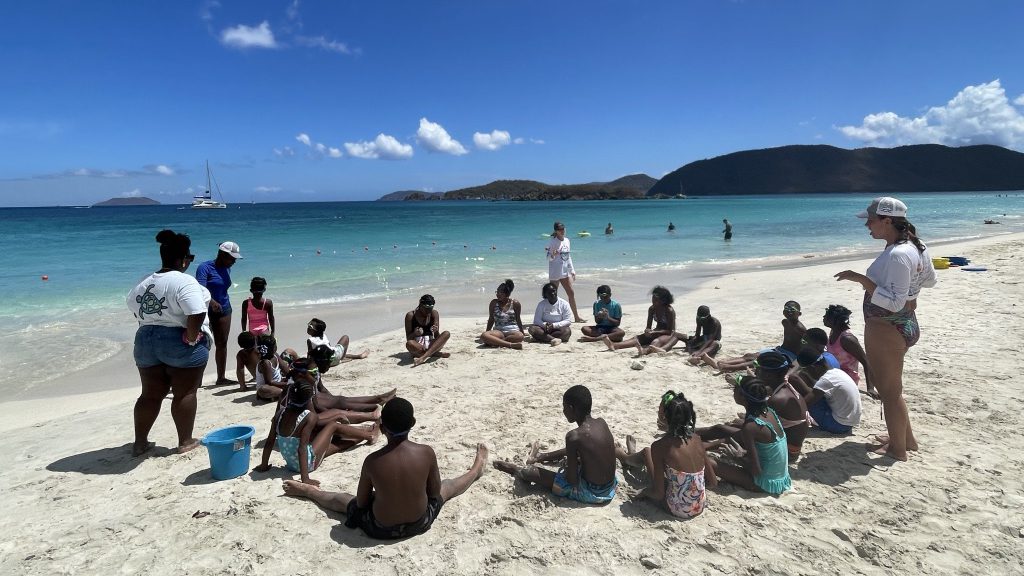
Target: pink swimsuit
pixel 846 360
pixel 259 322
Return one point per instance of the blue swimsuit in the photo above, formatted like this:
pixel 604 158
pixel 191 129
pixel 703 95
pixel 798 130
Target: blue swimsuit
pixel 774 477
pixel 289 446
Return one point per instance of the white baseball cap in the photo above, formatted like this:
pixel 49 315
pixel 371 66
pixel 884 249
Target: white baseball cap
pixel 885 206
pixel 232 249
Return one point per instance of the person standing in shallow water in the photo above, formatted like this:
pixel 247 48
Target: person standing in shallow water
pixel 609 230
pixel 560 268
pixel 215 275
pixel 727 232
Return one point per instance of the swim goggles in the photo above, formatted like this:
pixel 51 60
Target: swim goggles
pixel 667 397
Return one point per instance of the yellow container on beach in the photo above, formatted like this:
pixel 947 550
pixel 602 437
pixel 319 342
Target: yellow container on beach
pixel 940 263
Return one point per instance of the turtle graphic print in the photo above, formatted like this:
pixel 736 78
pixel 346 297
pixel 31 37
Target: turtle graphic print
pixel 150 304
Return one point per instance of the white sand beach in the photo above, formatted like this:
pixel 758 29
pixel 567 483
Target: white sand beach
pixel 75 502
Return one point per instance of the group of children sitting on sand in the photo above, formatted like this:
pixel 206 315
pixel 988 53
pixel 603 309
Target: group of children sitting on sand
pixel 811 378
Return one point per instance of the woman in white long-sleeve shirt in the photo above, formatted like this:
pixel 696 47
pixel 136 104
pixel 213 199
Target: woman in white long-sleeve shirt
pixel 891 286
pixel 560 268
pixel 552 318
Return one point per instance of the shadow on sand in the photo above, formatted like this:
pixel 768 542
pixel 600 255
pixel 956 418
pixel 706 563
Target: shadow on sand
pixel 116 460
pixel 838 464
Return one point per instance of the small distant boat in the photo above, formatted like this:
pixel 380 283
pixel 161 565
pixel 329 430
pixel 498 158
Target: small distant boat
pixel 583 234
pixel 205 201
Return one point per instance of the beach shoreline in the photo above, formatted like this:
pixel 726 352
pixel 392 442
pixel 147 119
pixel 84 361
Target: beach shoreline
pixel 78 503
pixel 360 318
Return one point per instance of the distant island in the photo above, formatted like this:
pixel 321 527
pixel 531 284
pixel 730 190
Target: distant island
pixel 129 201
pixel 633 187
pixel 784 170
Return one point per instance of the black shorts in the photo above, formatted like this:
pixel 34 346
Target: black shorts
pixel 363 518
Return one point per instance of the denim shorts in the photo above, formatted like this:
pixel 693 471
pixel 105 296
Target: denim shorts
pixel 822 414
pixel 156 345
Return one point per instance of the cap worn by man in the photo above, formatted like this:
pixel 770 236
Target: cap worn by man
pixel 232 249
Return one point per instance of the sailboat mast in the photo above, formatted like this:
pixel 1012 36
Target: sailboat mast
pixel 209 191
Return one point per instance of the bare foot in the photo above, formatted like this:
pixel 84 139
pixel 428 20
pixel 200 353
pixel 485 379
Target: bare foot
pixel 374 434
pixel 534 450
pixel 608 342
pixel 694 360
pixel 656 350
pixel 385 398
pixel 555 341
pixel 883 440
pixel 361 355
pixel 709 360
pixel 140 448
pixel 506 467
pixel 885 451
pixel 419 360
pixel 443 354
pixel 376 413
pixel 188 445
pixel 481 459
pixel 225 381
pixel 630 445
pixel 516 345
pixel 298 489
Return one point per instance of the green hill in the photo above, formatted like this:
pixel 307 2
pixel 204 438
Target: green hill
pixel 634 186
pixel 805 169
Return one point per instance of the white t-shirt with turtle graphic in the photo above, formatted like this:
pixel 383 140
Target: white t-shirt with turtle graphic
pixel 168 299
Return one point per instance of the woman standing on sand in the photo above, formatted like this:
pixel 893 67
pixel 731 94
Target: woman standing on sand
pixel 215 275
pixel 172 344
pixel 891 287
pixel 560 269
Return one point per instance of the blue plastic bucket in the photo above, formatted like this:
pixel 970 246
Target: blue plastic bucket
pixel 229 451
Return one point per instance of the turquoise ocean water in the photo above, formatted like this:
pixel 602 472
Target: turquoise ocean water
pixel 93 257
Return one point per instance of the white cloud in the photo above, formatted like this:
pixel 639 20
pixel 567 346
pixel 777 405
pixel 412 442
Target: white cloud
pixel 132 193
pixel 536 141
pixel 976 115
pixel 267 189
pixel 518 141
pixel 323 43
pixel 243 36
pixel 496 140
pixel 206 10
pixel 161 169
pixel 1019 101
pixel 293 11
pixel 319 148
pixel 383 146
pixel 435 138
pixel 284 152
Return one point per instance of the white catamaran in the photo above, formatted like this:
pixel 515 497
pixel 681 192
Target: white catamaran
pixel 205 201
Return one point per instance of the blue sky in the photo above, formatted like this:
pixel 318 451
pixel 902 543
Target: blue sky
pixel 349 100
